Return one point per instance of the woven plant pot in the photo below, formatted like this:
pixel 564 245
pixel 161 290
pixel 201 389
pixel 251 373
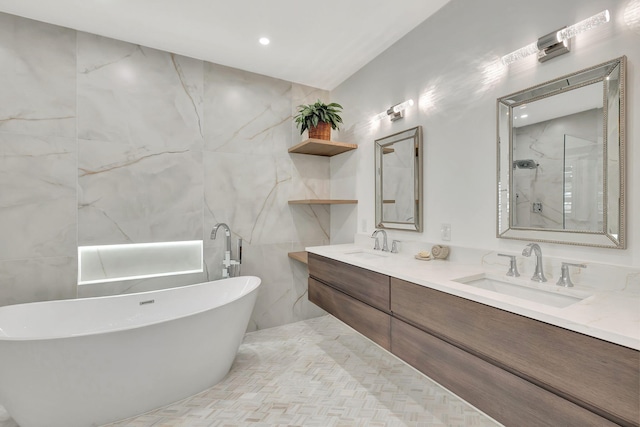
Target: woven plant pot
pixel 322 131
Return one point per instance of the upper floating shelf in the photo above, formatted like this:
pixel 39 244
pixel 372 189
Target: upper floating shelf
pixel 320 147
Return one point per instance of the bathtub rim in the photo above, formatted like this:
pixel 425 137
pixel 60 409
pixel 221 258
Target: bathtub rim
pixel 258 282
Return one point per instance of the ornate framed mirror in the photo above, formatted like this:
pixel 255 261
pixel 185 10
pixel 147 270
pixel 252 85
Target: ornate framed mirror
pixel 561 159
pixel 398 167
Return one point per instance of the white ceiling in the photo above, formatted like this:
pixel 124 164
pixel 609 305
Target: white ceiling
pixel 319 44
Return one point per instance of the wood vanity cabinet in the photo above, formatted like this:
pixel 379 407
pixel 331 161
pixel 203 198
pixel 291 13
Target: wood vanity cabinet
pixel 365 319
pixel 365 285
pixel 584 372
pixel 358 297
pixel 507 398
pixel 520 371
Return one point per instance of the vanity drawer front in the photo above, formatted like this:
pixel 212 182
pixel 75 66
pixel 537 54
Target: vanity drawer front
pixel 370 322
pixel 598 375
pixel 367 286
pixel 502 395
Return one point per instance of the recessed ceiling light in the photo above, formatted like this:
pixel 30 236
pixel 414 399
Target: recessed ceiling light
pixel 264 41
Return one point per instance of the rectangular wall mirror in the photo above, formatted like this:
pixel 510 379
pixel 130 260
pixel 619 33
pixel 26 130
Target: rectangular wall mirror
pixel 561 156
pixel 399 180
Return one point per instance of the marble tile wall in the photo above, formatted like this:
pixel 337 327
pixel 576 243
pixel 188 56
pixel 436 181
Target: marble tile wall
pixel 106 142
pixel 38 155
pixel 140 142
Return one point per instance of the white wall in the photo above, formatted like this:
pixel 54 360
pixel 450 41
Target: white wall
pixel 451 65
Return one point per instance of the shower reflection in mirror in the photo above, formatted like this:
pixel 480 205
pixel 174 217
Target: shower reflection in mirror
pixel 561 153
pixel 557 171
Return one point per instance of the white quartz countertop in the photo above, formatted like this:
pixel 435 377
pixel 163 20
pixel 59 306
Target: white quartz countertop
pixel 612 316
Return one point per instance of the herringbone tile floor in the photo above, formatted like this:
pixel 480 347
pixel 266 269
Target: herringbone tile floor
pixel 316 373
pixel 321 373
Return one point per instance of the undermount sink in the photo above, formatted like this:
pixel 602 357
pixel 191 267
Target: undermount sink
pixel 367 254
pixel 522 291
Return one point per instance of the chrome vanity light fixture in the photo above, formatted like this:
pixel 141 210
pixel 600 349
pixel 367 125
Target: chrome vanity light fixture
pixel 557 42
pixel 395 112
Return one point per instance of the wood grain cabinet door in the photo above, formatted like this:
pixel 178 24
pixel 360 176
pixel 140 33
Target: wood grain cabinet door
pixel 508 398
pixel 597 375
pixel 365 285
pixel 372 323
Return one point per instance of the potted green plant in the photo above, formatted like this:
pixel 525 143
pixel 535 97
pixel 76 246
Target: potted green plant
pixel 318 119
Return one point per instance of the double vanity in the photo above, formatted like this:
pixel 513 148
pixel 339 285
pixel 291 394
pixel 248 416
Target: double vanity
pixel 528 352
pixel 525 353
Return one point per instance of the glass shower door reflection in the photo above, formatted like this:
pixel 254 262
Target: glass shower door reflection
pixel 583 207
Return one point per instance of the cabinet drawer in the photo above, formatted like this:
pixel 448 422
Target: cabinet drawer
pixel 367 286
pixel 370 322
pixel 504 396
pixel 600 376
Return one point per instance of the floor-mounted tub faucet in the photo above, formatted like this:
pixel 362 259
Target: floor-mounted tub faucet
pixel 538 275
pixel 230 266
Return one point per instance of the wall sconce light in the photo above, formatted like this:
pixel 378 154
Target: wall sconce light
pixel 557 42
pixel 395 112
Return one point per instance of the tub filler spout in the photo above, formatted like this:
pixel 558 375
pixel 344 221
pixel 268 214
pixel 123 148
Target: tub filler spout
pixel 230 266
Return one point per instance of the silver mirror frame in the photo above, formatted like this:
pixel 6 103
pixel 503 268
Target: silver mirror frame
pixel 602 238
pixel 380 144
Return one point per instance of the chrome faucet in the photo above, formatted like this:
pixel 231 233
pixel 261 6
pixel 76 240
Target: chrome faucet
pixel 538 275
pixel 230 266
pixel 513 267
pixel 227 232
pixel 565 279
pixel 376 246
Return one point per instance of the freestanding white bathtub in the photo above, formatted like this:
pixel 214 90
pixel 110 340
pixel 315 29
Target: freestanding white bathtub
pixel 87 362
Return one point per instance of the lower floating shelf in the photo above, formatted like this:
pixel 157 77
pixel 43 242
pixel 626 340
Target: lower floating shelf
pixel 322 202
pixel 301 256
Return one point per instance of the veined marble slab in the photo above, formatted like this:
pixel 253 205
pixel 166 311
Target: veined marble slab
pixel 137 198
pixel 135 94
pixel 37 78
pixel 37 279
pixel 245 112
pixel 163 148
pixel 140 136
pixel 256 206
pixel 37 196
